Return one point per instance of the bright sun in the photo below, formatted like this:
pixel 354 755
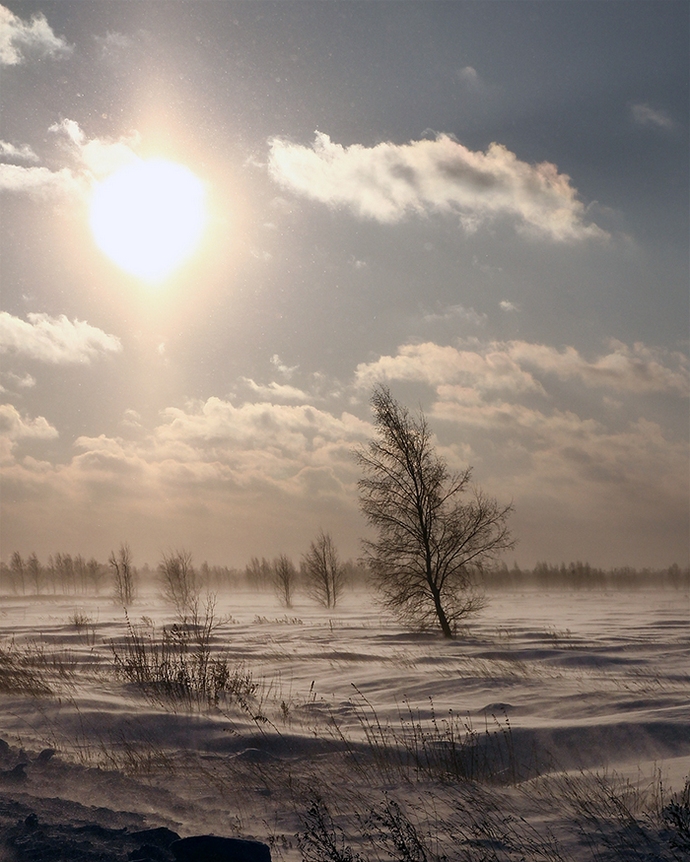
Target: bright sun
pixel 148 217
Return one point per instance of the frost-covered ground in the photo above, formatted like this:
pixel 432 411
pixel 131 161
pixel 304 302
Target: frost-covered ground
pixel 555 727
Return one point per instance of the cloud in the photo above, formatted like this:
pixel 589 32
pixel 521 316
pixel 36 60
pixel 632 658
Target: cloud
pixel 39 181
pixel 214 452
pixel 100 156
pixel 521 366
pixel 23 153
pixel 491 369
pixel 634 369
pixel 507 305
pixel 281 391
pixel 270 430
pixel 55 340
pixel 20 39
pixel 230 476
pixel 457 312
pixel 25 381
pixel 14 427
pixel 606 477
pixel 543 454
pixel 644 115
pixel 95 158
pixel 388 181
pixel 286 370
pixel 469 76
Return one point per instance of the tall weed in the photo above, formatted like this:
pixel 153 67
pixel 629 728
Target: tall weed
pixel 447 750
pixel 177 666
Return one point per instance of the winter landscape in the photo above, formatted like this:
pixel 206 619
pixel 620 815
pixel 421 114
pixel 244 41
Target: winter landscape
pixel 344 438
pixel 554 727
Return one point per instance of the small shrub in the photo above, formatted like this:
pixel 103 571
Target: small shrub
pixel 180 584
pixel 322 839
pixel 178 667
pixel 80 620
pixel 399 835
pixel 676 817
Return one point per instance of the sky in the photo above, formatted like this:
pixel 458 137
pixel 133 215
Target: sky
pixel 481 205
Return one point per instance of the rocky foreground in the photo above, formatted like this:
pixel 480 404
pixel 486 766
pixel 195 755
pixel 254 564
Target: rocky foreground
pixel 56 830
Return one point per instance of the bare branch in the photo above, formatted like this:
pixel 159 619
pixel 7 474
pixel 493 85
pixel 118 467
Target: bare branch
pixel 430 541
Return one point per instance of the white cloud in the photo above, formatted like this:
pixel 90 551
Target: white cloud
pixel 507 305
pixel 209 450
pixel 520 366
pixel 491 369
pixel 644 115
pixel 39 181
pixel 605 466
pixel 233 476
pixel 286 370
pixel 457 312
pixel 95 158
pixel 23 153
pixel 281 391
pixel 388 181
pixel 635 369
pixel 131 418
pixel 55 340
pixel 15 427
pixel 469 76
pixel 26 381
pixel 560 455
pixel 20 39
pixel 100 156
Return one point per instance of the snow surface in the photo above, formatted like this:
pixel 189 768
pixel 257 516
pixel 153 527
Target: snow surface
pixel 567 694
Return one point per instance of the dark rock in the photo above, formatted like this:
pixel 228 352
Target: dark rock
pixel 95 830
pixel 158 837
pixel 45 755
pixel 14 775
pixel 154 845
pixel 31 822
pixel 149 853
pixel 210 848
pixel 4 748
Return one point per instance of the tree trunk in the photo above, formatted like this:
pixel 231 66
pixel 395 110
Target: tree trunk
pixel 441 614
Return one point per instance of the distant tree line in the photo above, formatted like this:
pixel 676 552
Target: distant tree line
pixel 61 573
pixel 320 574
pixel 583 576
pixel 66 574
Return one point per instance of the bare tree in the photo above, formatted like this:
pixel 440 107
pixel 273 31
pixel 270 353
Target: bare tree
pixel 96 573
pixel 34 570
pixel 123 574
pixel 18 572
pixel 80 573
pixel 64 569
pixel 430 542
pixel 180 583
pixel 323 572
pixel 258 573
pixel 284 577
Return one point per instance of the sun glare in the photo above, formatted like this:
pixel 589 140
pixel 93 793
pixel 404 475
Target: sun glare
pixel 148 217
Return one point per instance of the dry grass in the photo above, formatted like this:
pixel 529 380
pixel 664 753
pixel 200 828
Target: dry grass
pixel 447 749
pixel 177 666
pixel 29 670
